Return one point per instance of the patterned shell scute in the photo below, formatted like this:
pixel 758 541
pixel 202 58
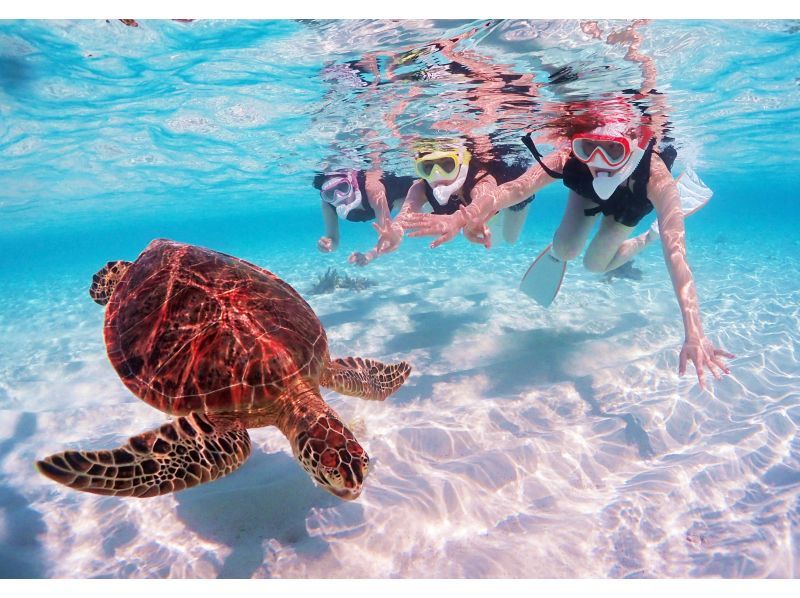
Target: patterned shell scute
pixel 190 329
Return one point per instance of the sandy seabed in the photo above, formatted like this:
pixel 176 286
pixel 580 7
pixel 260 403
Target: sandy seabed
pixel 527 442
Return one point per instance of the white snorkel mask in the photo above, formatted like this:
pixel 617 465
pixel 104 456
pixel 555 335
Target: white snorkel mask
pixel 439 166
pixel 609 148
pixel 342 191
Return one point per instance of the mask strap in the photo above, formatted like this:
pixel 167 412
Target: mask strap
pixel 532 148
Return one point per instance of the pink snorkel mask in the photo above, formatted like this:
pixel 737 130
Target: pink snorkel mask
pixel 341 190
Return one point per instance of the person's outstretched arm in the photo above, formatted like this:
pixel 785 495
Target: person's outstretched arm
pixel 331 220
pixel 663 192
pixel 390 232
pixel 486 200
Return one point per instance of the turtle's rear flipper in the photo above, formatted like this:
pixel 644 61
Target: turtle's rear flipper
pixel 187 451
pixel 106 279
pixel 365 378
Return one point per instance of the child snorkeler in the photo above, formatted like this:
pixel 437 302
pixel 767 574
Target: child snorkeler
pixel 358 196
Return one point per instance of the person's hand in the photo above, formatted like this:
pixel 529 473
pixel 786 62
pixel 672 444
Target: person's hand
pixel 475 229
pixel 703 355
pixel 389 236
pixel 425 225
pixel 361 259
pixel 325 244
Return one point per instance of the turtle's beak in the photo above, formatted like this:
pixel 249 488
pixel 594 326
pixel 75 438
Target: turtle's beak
pixel 346 493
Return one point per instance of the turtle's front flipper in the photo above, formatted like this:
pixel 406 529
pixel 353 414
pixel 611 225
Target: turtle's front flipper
pixel 106 279
pixel 187 451
pixel 365 378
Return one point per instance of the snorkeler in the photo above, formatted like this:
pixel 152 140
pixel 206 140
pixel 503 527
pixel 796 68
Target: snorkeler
pixel 612 169
pixel 450 179
pixel 359 196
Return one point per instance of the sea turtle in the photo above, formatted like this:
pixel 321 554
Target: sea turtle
pixel 223 345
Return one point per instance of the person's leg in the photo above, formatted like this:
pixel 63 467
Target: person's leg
pixel 513 221
pixel 574 229
pixel 609 249
pixel 631 248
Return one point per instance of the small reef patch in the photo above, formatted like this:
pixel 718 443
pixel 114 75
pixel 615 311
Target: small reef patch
pixel 332 279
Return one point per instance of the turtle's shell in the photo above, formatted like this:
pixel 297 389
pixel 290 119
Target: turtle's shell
pixel 190 329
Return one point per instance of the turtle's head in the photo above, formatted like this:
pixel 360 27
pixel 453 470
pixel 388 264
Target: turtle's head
pixel 332 456
pixel 106 279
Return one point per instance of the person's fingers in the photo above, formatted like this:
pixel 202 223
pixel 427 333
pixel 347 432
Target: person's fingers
pixel 713 368
pixel 700 374
pixel 487 237
pixel 721 365
pixel 443 239
pixel 724 354
pixel 682 363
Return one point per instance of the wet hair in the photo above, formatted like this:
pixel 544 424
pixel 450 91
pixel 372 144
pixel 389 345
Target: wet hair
pixel 427 145
pixel 319 179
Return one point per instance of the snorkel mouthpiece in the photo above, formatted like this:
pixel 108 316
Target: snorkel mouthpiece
pixel 604 184
pixel 442 193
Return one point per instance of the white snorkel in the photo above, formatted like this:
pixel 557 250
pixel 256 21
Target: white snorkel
pixel 442 193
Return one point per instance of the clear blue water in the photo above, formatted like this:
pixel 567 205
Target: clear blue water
pixel 527 443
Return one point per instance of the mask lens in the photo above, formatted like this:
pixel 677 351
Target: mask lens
pixel 614 150
pixel 427 167
pixel 583 148
pixel 446 164
pixel 341 189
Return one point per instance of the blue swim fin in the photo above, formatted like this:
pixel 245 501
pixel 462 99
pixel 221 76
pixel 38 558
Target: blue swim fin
pixel 543 279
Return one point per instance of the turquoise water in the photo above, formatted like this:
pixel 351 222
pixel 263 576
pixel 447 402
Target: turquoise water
pixel 528 442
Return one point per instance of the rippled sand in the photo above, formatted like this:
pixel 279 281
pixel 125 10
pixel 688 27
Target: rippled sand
pixel 527 443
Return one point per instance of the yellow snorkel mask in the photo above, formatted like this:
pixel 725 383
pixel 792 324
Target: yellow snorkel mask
pixel 444 170
pixel 438 166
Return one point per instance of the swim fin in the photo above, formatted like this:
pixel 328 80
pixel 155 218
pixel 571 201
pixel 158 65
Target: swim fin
pixel 543 279
pixel 694 195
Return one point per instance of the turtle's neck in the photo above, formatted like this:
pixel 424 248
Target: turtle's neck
pixel 302 406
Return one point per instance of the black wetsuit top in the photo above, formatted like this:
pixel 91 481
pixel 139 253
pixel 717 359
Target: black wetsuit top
pixel 629 202
pixel 501 172
pixel 396 188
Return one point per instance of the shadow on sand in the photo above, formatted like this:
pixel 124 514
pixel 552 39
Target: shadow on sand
pixel 20 550
pixel 533 358
pixel 269 498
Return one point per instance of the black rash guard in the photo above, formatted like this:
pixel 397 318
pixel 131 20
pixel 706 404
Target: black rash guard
pixel 629 202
